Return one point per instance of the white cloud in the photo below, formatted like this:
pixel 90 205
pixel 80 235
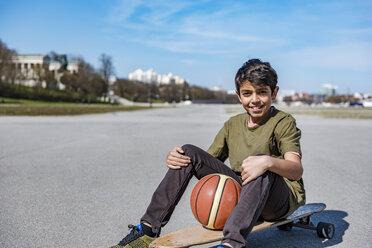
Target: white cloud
pixel 355 56
pixel 220 35
pixel 170 26
pixel 155 12
pixel 184 46
pixel 123 10
pixel 160 11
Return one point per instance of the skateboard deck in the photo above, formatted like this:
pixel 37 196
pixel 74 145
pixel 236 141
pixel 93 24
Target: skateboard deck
pixel 198 235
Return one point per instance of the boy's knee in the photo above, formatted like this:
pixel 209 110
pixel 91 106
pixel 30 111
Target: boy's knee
pixel 270 175
pixel 266 174
pixel 189 149
pixel 193 152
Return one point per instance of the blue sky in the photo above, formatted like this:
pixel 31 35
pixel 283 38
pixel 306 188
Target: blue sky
pixel 309 43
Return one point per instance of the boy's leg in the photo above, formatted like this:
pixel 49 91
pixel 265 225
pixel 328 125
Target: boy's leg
pixel 173 185
pixel 267 196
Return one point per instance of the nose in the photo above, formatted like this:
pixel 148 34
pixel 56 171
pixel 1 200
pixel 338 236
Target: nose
pixel 255 98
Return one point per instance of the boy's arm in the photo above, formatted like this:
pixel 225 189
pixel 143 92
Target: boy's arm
pixel 254 166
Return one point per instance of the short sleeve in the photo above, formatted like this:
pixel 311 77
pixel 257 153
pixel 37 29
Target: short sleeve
pixel 288 136
pixel 219 148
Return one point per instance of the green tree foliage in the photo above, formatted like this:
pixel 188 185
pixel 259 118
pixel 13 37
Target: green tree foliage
pixel 7 69
pixel 200 93
pixel 340 99
pixel 174 92
pixel 142 92
pixel 86 81
pixel 132 90
pixel 106 69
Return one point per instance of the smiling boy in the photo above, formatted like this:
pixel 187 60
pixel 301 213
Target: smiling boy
pixel 263 147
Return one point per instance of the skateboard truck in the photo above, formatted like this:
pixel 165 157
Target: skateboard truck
pixel 324 230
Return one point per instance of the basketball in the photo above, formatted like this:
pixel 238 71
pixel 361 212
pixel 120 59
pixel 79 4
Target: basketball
pixel 213 199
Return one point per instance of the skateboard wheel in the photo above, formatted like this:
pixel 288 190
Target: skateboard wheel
pixel 285 227
pixel 325 230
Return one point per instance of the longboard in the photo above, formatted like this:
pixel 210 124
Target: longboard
pixel 198 235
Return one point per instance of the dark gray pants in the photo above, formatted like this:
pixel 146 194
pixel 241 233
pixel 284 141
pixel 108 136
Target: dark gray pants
pixel 266 197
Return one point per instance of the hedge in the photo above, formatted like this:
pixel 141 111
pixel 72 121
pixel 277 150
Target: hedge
pixel 42 94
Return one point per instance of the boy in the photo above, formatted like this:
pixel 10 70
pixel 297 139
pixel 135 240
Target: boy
pixel 263 146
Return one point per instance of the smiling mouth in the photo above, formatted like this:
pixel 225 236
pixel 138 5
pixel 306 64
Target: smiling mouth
pixel 256 108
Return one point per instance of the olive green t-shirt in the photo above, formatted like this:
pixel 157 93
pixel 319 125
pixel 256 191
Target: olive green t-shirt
pixel 274 136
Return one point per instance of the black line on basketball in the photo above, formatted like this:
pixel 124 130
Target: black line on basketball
pixel 236 193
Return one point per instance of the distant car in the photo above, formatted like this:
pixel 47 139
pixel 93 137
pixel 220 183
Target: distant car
pixel 356 104
pixel 187 102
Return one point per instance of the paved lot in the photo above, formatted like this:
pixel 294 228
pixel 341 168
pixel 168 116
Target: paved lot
pixel 79 181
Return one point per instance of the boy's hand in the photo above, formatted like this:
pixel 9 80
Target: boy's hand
pixel 253 167
pixel 175 159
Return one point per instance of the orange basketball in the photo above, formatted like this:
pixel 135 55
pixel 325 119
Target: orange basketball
pixel 213 199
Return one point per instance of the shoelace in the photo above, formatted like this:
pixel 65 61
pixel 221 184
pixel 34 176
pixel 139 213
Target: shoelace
pixel 134 234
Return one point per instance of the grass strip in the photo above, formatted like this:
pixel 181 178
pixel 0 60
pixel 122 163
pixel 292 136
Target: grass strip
pixel 60 110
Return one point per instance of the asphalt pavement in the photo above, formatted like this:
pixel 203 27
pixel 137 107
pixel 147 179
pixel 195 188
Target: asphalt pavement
pixel 79 181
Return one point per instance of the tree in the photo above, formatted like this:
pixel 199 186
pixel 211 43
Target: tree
pixel 133 90
pixel 106 69
pixel 7 68
pixel 340 99
pixel 70 81
pixel 86 81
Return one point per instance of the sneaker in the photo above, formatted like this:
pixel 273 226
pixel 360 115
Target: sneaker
pixel 220 246
pixel 135 239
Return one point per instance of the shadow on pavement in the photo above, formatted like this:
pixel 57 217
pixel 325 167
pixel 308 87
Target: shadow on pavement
pixel 299 237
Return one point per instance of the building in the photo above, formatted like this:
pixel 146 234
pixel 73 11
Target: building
pixel 28 68
pixel 217 89
pixel 283 95
pixel 31 69
pixel 329 89
pixel 150 76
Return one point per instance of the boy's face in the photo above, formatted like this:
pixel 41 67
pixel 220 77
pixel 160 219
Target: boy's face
pixel 256 100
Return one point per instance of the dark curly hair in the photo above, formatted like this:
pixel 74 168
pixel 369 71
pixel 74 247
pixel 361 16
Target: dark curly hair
pixel 256 72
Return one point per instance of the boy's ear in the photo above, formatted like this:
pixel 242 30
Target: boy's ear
pixel 237 93
pixel 273 95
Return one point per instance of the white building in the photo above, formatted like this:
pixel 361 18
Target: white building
pixel 217 89
pixel 284 93
pixel 150 76
pixel 329 89
pixel 178 80
pixel 30 68
pixel 112 79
